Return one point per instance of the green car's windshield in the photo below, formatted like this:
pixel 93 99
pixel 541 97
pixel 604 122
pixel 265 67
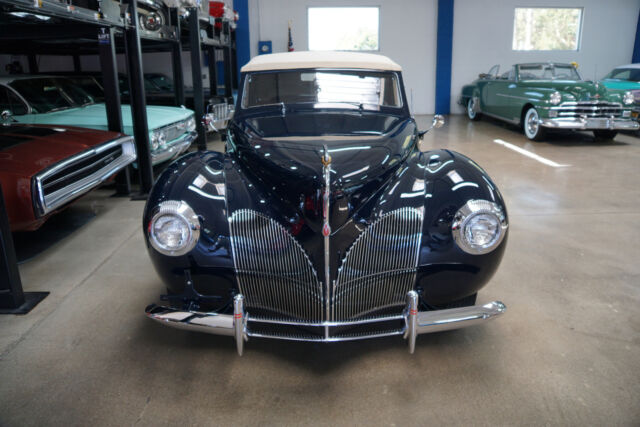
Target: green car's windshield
pixel 624 74
pixel 547 72
pixel 367 90
pixel 161 81
pixel 47 94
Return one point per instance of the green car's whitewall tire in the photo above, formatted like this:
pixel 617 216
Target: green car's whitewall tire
pixel 531 125
pixel 471 112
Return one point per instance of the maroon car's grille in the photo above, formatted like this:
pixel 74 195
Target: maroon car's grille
pixel 589 109
pixel 80 169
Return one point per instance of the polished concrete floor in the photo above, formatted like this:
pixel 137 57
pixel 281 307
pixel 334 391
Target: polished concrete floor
pixel 567 352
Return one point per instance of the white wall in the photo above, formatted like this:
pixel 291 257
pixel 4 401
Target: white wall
pixel 483 34
pixel 407 35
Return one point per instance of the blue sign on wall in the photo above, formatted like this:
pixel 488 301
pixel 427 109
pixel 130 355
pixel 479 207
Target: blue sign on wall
pixel 264 47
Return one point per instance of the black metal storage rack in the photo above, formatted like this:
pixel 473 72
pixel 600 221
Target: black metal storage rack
pixel 106 28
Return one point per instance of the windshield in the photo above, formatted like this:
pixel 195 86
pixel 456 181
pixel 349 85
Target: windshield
pixel 625 74
pixel 89 85
pixel 548 72
pixel 161 81
pixel 48 94
pixel 367 90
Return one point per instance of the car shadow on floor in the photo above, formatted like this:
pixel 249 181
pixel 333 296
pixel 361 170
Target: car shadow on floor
pixel 564 138
pixel 30 244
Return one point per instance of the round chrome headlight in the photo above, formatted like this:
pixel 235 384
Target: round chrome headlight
pixel 628 99
pixel 555 98
pixel 154 141
pixel 479 226
pixel 174 229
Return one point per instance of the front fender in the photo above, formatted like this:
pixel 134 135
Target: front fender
pixel 199 180
pixel 445 272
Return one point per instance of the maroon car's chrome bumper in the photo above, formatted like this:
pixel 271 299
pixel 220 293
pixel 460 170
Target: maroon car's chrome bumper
pixel 415 322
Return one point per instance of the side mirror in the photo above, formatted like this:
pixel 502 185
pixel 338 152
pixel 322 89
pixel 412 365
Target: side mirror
pixel 438 122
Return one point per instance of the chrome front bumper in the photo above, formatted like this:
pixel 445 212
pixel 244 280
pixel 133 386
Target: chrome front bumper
pixel 237 324
pixel 175 148
pixel 593 123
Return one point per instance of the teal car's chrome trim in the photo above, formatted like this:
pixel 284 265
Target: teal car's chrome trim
pixel 590 123
pixel 174 148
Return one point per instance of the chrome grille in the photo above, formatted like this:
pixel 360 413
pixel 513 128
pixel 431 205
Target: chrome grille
pixel 380 267
pixel 175 130
pixel 274 272
pixel 277 278
pixel 589 109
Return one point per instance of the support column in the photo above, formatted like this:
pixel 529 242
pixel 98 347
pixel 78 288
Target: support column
pixel 444 56
pixel 77 67
pixel 33 64
pixel 242 41
pixel 228 68
pixel 213 72
pixel 138 101
pixel 13 300
pixel 176 60
pixel 109 67
pixel 196 73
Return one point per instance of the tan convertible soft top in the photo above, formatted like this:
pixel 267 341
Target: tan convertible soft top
pixel 309 59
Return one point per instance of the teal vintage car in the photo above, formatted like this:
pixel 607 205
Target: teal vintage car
pixel 626 78
pixel 544 96
pixel 57 101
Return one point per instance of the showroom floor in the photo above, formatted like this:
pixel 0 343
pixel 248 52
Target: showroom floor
pixel 567 352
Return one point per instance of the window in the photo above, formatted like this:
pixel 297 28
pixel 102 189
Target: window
pixel 10 102
pixel 344 28
pixel 326 89
pixel 539 28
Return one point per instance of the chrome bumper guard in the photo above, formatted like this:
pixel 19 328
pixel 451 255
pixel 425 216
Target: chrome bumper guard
pixel 590 123
pixel 174 148
pixel 415 322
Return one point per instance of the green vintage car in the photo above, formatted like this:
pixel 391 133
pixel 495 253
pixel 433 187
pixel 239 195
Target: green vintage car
pixel 543 96
pixel 57 101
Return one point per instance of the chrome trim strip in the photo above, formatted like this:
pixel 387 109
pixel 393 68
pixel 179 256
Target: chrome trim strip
pixel 325 323
pixel 326 232
pixel 45 204
pixel 495 116
pixel 416 322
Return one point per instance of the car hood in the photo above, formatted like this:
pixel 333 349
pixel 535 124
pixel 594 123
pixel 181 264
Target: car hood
pixel 95 116
pixel 581 90
pixel 284 155
pixel 620 84
pixel 26 150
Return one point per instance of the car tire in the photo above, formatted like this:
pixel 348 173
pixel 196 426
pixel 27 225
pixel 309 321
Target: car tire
pixel 473 115
pixel 531 125
pixel 605 134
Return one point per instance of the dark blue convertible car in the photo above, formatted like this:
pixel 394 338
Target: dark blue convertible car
pixel 325 219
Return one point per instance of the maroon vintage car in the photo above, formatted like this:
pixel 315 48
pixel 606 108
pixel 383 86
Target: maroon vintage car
pixel 44 168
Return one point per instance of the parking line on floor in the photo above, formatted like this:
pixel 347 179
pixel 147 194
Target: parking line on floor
pixel 529 154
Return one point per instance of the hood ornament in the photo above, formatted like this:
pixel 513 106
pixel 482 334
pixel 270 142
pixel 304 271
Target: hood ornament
pixel 326 229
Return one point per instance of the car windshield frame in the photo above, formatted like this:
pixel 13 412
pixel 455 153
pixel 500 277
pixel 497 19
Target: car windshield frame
pixel 69 95
pixel 332 104
pixel 545 66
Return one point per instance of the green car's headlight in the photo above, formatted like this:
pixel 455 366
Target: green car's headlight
pixel 479 226
pixel 555 98
pixel 160 138
pixel 154 141
pixel 627 99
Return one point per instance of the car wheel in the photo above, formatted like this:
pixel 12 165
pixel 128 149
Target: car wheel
pixel 471 112
pixel 605 134
pixel 531 125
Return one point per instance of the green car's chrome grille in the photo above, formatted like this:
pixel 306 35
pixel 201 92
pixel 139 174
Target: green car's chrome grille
pixel 588 109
